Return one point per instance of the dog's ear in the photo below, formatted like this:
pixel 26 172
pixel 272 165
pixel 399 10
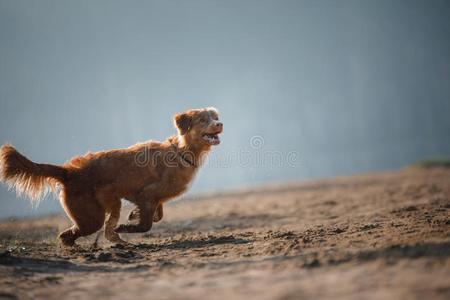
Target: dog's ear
pixel 182 122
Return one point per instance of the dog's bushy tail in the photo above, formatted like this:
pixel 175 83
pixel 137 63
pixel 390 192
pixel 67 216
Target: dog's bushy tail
pixel 26 177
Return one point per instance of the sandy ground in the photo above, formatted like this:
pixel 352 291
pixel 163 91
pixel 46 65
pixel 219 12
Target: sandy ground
pixel 375 236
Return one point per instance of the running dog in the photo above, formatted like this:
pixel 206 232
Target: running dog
pixel 91 186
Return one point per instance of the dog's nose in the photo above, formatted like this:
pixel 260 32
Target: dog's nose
pixel 219 124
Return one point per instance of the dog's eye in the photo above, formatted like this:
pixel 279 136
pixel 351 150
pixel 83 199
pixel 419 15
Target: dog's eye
pixel 202 120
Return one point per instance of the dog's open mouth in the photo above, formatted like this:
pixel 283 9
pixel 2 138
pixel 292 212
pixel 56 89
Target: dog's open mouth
pixel 212 138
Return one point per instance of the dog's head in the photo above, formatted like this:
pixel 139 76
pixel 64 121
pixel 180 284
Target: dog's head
pixel 200 126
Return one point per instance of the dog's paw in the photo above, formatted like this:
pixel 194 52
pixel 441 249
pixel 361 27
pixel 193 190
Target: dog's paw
pixel 158 214
pixel 157 218
pixel 131 228
pixel 123 228
pixel 134 215
pixel 121 243
pixel 114 238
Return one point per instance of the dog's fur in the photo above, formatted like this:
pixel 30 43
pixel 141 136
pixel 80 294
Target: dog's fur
pixel 92 186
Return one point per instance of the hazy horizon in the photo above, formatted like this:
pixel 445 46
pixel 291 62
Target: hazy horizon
pixel 347 86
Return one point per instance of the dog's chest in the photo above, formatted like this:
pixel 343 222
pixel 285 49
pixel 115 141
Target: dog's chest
pixel 178 182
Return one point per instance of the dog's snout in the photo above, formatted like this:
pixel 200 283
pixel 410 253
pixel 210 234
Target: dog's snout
pixel 219 124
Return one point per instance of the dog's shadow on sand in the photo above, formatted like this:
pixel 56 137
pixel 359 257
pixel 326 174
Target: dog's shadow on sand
pixel 183 244
pixel 437 250
pixel 56 265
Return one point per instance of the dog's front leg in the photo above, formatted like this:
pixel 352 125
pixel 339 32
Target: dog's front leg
pixel 134 214
pixel 144 212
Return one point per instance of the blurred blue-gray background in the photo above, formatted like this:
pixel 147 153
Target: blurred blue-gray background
pixel 349 86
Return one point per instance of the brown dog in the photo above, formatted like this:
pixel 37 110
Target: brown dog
pixel 92 186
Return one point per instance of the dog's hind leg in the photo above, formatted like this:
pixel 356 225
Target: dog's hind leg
pixel 86 213
pixel 113 212
pixel 68 236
